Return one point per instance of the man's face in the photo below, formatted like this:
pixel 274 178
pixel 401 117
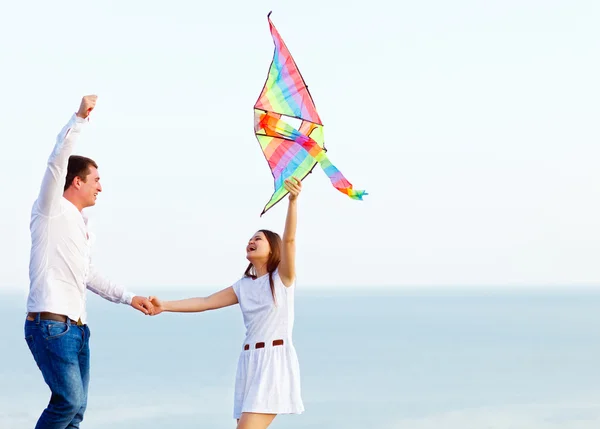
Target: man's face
pixel 90 189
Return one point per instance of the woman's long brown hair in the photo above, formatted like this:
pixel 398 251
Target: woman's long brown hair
pixel 274 258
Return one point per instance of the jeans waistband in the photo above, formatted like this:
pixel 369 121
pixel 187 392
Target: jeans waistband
pixel 46 315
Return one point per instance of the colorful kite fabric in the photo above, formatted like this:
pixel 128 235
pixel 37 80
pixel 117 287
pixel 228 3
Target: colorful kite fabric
pixel 288 127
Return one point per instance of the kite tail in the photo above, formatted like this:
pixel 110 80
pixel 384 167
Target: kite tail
pixel 338 180
pixel 276 127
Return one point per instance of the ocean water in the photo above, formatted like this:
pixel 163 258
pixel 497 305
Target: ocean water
pixel 370 358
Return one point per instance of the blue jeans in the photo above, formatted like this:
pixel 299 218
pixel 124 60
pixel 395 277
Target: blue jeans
pixel 61 351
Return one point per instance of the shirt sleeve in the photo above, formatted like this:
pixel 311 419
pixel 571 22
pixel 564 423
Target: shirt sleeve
pixel 53 182
pixel 236 288
pixel 106 289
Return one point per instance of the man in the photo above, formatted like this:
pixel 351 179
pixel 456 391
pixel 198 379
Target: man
pixel 60 270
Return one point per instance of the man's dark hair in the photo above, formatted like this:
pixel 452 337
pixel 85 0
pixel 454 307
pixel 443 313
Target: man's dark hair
pixel 79 166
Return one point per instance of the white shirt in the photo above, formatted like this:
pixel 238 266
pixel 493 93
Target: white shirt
pixel 60 266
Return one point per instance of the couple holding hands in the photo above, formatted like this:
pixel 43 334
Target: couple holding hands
pixel 267 382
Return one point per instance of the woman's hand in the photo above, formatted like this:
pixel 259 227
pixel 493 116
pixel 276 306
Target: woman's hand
pixel 158 305
pixel 293 186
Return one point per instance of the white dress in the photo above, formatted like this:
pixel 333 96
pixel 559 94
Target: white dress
pixel 268 378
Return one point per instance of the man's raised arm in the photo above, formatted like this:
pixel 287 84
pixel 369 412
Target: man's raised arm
pixel 53 183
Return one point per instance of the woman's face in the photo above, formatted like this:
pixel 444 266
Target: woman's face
pixel 258 247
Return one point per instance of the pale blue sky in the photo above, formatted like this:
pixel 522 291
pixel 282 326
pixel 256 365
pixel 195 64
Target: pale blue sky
pixel 473 126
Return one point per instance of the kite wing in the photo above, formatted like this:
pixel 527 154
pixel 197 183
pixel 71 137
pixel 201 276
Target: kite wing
pixel 288 127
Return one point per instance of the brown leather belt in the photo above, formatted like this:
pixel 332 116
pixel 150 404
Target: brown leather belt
pixel 261 345
pixel 46 315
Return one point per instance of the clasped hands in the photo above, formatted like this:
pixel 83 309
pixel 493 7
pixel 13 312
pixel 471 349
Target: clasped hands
pixel 150 306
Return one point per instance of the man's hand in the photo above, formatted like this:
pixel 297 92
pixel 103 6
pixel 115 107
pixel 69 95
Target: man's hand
pixel 87 105
pixel 142 304
pixel 157 304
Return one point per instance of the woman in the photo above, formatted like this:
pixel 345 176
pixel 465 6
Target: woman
pixel 268 375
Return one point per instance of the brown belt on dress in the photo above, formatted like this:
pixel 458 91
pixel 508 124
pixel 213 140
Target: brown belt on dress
pixel 46 315
pixel 261 345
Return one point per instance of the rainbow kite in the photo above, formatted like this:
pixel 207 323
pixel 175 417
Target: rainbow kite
pixel 288 127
